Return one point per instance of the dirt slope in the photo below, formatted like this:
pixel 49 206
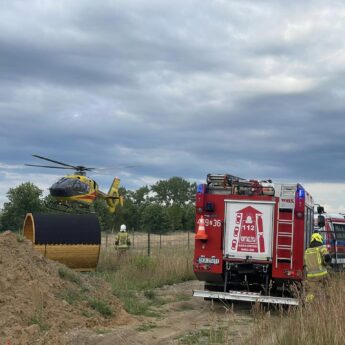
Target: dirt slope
pixel 43 302
pixel 181 319
pixel 40 299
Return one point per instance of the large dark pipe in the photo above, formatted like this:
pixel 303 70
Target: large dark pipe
pixel 68 238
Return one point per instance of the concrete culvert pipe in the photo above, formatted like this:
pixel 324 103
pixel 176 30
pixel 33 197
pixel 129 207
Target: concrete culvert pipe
pixel 71 239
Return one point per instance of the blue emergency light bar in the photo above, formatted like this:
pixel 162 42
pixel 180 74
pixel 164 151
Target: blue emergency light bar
pixel 201 188
pixel 300 192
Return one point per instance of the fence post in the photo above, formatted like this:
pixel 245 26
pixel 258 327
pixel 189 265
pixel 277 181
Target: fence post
pixel 106 240
pixel 148 243
pixel 133 238
pixel 188 240
pixel 160 241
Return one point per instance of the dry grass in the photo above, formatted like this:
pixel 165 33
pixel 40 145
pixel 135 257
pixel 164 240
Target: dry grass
pixel 321 322
pixel 132 273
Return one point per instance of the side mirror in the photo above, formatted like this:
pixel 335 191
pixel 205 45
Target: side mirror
pixel 320 221
pixel 320 209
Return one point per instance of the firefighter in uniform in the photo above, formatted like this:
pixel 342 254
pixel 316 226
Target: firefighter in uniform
pixel 122 240
pixel 316 258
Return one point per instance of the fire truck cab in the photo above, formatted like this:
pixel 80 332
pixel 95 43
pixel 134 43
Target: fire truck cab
pixel 331 226
pixel 250 238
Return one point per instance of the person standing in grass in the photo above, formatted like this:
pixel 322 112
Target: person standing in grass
pixel 316 258
pixel 122 240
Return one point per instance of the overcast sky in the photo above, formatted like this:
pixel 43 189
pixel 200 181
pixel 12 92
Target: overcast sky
pixel 183 88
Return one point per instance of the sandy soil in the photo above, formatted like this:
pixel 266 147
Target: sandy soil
pixel 41 299
pixel 180 320
pixel 43 302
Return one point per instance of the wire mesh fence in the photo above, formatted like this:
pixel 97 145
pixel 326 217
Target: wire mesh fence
pixel 148 242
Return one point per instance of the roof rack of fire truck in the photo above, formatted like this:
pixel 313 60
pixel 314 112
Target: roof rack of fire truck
pixel 227 183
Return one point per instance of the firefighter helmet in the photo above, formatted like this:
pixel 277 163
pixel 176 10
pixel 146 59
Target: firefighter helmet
pixel 316 237
pixel 123 228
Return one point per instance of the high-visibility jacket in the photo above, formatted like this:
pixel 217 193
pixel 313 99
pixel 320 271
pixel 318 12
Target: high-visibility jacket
pixel 314 259
pixel 122 240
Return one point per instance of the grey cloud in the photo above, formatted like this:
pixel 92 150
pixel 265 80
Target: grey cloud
pixel 181 89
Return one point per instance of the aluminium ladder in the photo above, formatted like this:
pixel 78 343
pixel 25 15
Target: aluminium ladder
pixel 285 230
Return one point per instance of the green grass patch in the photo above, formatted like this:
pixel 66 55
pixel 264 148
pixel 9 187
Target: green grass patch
pixel 150 294
pixel 38 319
pixel 69 275
pixel 101 307
pixel 70 296
pixel 87 313
pixel 144 263
pixel 195 338
pixel 137 306
pixel 153 298
pixel 211 336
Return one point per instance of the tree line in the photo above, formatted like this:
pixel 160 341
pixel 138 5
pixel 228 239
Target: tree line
pixel 166 206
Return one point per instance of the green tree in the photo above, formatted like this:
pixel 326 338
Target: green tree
pixel 176 190
pixel 105 218
pixel 189 217
pixel 129 213
pixel 154 219
pixel 140 196
pixel 175 215
pixel 26 198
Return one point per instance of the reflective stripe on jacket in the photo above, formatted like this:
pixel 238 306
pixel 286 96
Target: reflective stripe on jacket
pixel 314 261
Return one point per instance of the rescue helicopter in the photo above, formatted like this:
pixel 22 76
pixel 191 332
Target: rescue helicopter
pixel 78 189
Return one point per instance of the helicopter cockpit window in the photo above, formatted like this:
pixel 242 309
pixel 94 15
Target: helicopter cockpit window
pixel 65 182
pixel 85 187
pixel 80 186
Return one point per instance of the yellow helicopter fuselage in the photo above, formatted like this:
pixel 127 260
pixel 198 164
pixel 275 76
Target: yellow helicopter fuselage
pixel 81 189
pixel 75 188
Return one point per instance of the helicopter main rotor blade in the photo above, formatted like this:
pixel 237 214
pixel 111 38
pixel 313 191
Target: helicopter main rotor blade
pixel 82 168
pixel 57 162
pixel 48 166
pixel 116 168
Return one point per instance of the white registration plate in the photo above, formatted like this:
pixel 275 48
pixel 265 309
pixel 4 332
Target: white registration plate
pixel 214 261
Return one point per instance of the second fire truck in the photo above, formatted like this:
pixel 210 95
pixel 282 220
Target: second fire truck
pixel 331 226
pixel 250 238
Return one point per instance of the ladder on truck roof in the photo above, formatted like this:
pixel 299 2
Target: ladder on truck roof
pixel 284 239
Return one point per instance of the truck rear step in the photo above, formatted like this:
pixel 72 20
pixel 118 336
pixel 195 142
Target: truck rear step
pixel 245 296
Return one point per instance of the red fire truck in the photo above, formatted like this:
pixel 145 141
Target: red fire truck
pixel 332 228
pixel 250 238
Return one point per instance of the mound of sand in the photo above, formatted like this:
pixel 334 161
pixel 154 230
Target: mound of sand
pixel 40 300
